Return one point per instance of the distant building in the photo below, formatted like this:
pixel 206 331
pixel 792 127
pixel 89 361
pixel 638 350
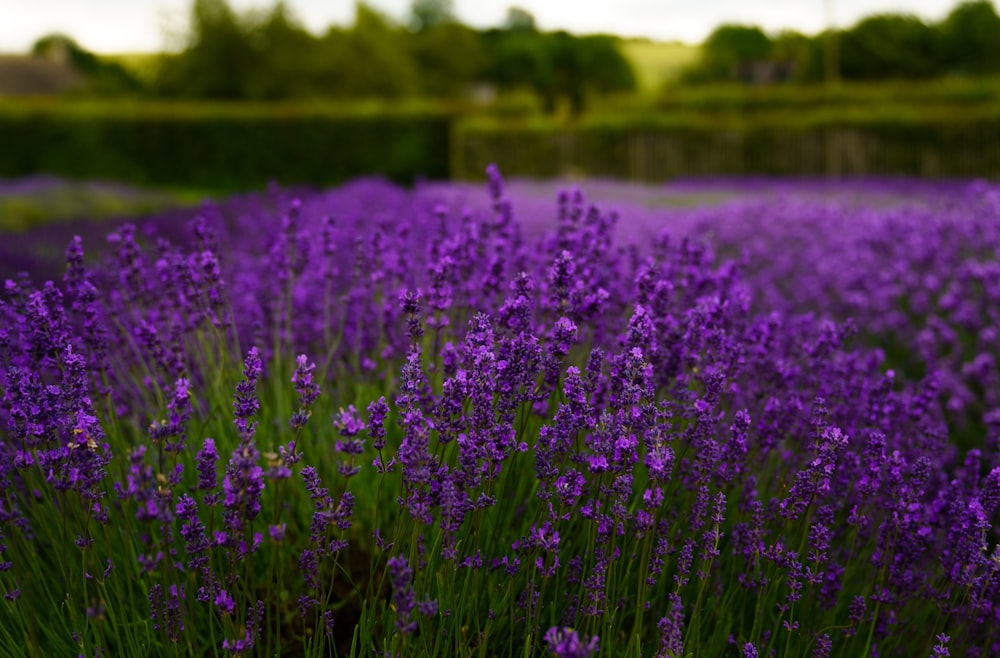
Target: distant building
pixel 22 75
pixel 764 71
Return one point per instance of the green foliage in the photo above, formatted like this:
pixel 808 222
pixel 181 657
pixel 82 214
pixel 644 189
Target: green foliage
pixel 220 60
pixel 791 141
pixel 889 46
pixel 726 47
pixel 67 200
pixel 103 77
pixel 970 38
pixel 519 19
pixel 559 66
pixel 223 148
pixel 657 64
pixel 880 47
pixel 288 61
pixel 806 52
pixel 429 14
pixel 449 58
pixel 377 64
pixel 270 56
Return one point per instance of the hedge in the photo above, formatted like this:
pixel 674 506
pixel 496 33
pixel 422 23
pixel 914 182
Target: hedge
pixel 225 148
pixel 245 146
pixel 883 142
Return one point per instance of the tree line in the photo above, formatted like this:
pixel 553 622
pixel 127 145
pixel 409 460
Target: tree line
pixel 879 47
pixel 269 55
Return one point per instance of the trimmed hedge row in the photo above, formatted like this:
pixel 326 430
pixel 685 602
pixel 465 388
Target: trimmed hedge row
pixel 243 147
pixel 931 146
pixel 733 97
pixel 224 150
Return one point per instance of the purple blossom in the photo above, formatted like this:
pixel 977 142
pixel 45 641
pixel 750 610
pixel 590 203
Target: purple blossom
pixel 377 412
pixel 207 458
pixel 242 487
pixel 400 575
pixel 940 649
pixel 566 643
pixel 245 404
pixel 255 617
pixel 307 389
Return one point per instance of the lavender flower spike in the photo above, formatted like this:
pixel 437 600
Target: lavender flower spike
pixel 566 643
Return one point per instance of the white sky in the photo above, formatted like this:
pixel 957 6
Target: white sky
pixel 110 26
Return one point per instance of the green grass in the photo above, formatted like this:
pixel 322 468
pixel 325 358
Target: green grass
pixel 70 200
pixel 657 63
pixel 143 66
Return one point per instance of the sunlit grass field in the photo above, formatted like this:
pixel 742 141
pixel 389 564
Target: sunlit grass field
pixel 657 63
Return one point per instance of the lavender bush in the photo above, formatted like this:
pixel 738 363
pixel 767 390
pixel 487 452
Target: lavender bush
pixel 365 421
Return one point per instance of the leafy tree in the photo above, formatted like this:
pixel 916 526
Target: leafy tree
pixel 518 60
pixel 219 61
pixel 103 77
pixel 806 53
pixel 448 58
pixel 369 60
pixel 519 20
pixel 970 38
pixel 428 14
pixel 889 46
pixel 725 48
pixel 558 65
pixel 603 69
pixel 289 57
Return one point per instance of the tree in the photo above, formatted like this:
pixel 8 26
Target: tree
pixel 105 78
pixel 889 46
pixel 806 53
pixel 448 57
pixel 725 49
pixel 219 61
pixel 558 65
pixel 519 20
pixel 369 60
pixel 970 38
pixel 428 14
pixel 289 57
pixel 605 69
pixel 518 61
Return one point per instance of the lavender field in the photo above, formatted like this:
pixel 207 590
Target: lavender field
pixel 719 418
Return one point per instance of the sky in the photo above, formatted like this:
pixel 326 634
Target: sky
pixel 120 26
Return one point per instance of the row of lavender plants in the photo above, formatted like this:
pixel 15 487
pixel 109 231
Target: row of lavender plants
pixel 366 422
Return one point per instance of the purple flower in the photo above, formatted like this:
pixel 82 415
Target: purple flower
pixel 242 487
pixel 941 648
pixel 377 412
pixel 400 575
pixel 193 532
pixel 823 646
pixel 224 602
pixel 564 334
pixel 814 480
pixel 566 643
pixel 671 627
pixel 176 427
pixel 166 610
pixel 307 389
pixel 409 302
pixel 255 617
pixel 207 458
pixel 245 404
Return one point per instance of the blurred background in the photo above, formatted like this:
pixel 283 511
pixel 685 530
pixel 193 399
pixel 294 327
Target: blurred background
pixel 182 99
